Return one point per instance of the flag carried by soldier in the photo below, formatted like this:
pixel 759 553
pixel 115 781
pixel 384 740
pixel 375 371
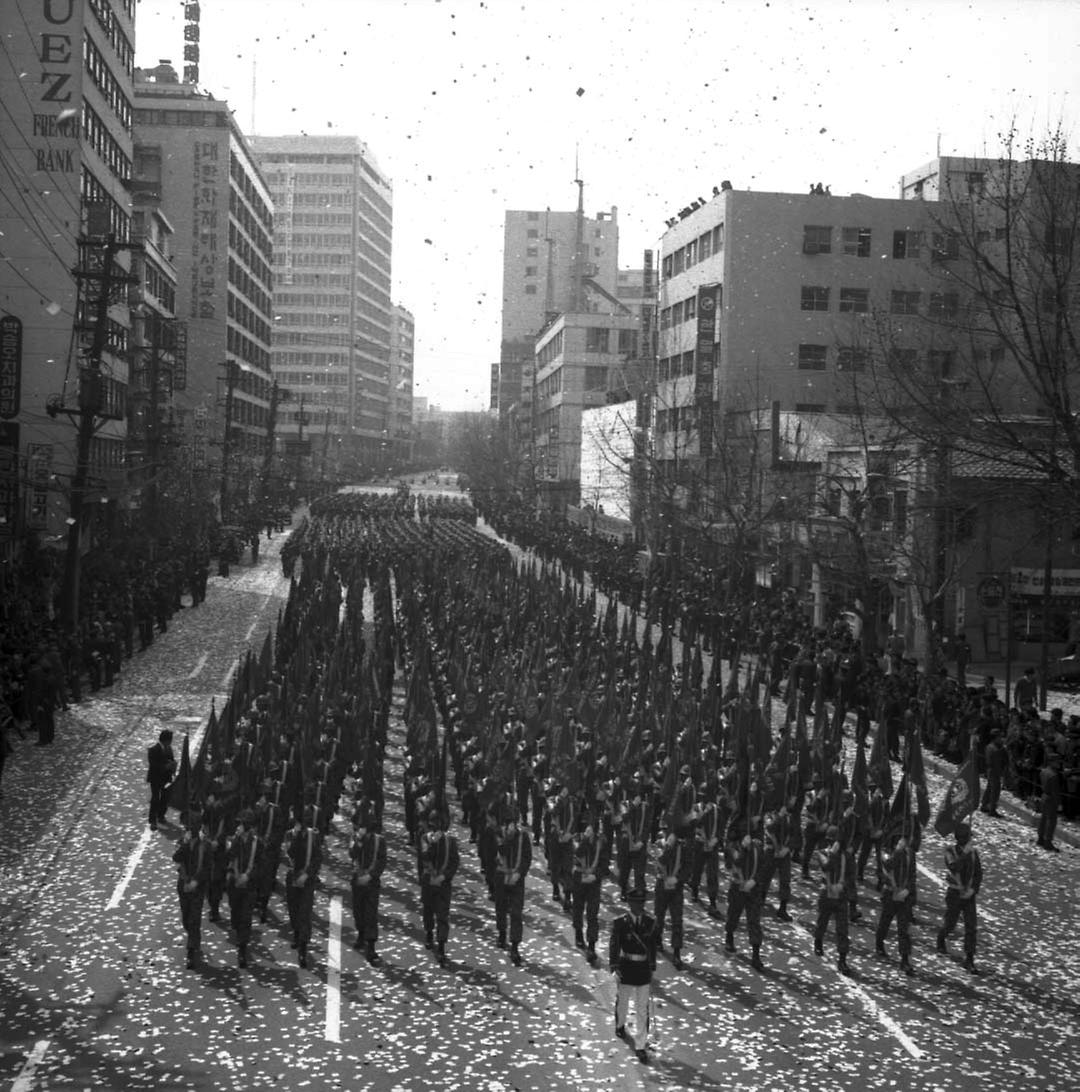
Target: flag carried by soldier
pixel 961 796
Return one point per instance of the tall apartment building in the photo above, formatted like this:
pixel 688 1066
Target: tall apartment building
pixel 402 349
pixel 333 209
pixel 193 156
pixel 66 85
pixel 549 260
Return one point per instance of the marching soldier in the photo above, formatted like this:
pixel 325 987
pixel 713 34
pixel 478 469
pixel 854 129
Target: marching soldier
pixel 744 864
pixel 634 844
pixel 872 833
pixel 270 827
pixel 707 834
pixel 963 872
pixel 672 872
pixel 303 853
pixel 832 899
pixel 241 874
pixel 564 817
pixel 817 822
pixel 590 864
pixel 897 900
pixel 368 855
pixel 632 958
pixel 192 857
pixel 215 821
pixel 439 860
pixel 514 861
pixel 780 832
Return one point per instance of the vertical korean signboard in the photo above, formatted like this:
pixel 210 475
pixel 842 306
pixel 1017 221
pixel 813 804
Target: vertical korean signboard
pixel 704 352
pixel 10 397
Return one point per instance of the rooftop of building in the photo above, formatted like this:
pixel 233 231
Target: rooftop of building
pixel 303 144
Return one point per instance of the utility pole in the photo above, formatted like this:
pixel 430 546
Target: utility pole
pixel 226 435
pixel 87 412
pixel 276 395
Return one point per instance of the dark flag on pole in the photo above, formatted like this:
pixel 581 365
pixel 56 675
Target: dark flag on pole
pixel 180 789
pixel 961 797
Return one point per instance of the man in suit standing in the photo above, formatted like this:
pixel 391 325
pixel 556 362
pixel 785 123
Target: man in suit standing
pixel 161 768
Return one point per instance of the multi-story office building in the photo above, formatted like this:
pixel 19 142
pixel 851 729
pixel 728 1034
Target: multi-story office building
pixel 402 348
pixel 552 261
pixel 333 209
pixel 193 156
pixel 66 84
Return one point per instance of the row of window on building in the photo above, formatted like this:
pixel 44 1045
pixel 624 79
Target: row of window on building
pixel 696 251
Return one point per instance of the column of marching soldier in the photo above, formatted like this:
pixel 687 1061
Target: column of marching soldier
pixel 630 826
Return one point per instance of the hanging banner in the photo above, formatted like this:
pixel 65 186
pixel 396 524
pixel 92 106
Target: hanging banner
pixel 704 354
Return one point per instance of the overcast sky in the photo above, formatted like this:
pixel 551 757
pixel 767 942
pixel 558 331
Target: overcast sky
pixel 473 108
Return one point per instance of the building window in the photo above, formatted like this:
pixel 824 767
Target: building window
pixel 942 363
pixel 530 252
pixel 817 239
pixel 905 360
pixel 628 342
pixel 809 407
pixel 704 246
pixel 596 339
pixel 976 184
pixel 532 216
pixel 718 238
pixel 691 253
pixel 530 290
pixel 946 246
pixel 849 359
pixel 688 362
pixel 678 260
pixel 596 377
pixel 904 303
pixel 944 305
pixel 668 266
pixel 812 357
pixel 665 318
pixel 855 299
pixel 676 313
pixel 906 244
pixel 532 233
pixel 857 241
pixel 530 271
pixel 689 308
pixel 814 297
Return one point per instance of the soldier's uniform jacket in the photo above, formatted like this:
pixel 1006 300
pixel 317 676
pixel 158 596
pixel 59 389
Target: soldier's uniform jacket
pixel 439 856
pixel 708 831
pixel 242 858
pixel 899 871
pixel 303 854
pixel 817 810
pixel 368 853
pixel 779 832
pixel 632 950
pixel 637 823
pixel 875 816
pixel 674 863
pixel 192 857
pixel 963 870
pixel 589 859
pixel 834 864
pixel 564 818
pixel 515 856
pixel 743 862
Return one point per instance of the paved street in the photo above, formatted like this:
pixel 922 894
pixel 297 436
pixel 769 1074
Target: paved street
pixel 94 994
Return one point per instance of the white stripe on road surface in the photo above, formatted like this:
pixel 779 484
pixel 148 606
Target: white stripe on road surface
pixel 133 863
pixel 983 912
pixel 200 665
pixel 333 973
pixel 884 1018
pixel 25 1080
pixel 251 630
pixel 144 840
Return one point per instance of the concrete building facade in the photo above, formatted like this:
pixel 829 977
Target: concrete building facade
pixel 193 156
pixel 332 280
pixel 66 83
pixel 402 353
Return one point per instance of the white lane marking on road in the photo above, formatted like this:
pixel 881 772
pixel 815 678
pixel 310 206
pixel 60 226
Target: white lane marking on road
pixel 983 912
pixel 885 1019
pixel 333 973
pixel 199 666
pixel 251 630
pixel 25 1079
pixel 133 863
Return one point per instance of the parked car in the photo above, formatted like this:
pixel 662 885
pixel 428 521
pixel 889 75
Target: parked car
pixel 1065 670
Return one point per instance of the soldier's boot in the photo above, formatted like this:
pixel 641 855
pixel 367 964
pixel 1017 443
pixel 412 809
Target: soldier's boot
pixel 429 940
pixel 819 948
pixel 555 892
pixel 567 904
pixel 755 959
pixel 500 941
pixel 969 965
pixel 441 955
pixel 215 913
pixel 515 955
pixel 590 955
pixel 879 948
pixel 192 958
pixel 579 938
pixel 729 942
pixel 906 967
pixel 842 965
pixel 301 955
pixel 713 910
pixel 241 955
pixel 782 911
pixel 371 955
pixel 941 945
pixel 854 913
pixel 676 960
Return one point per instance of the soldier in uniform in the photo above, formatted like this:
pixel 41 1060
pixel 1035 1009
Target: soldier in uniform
pixel 672 872
pixel 707 835
pixel 872 832
pixel 564 819
pixel 817 822
pixel 897 901
pixel 303 853
pixel 632 958
pixel 192 858
pixel 368 855
pixel 832 899
pixel 439 860
pixel 590 864
pixel 514 861
pixel 215 820
pixel 963 873
pixel 779 834
pixel 744 866
pixel 633 850
pixel 270 827
pixel 241 876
